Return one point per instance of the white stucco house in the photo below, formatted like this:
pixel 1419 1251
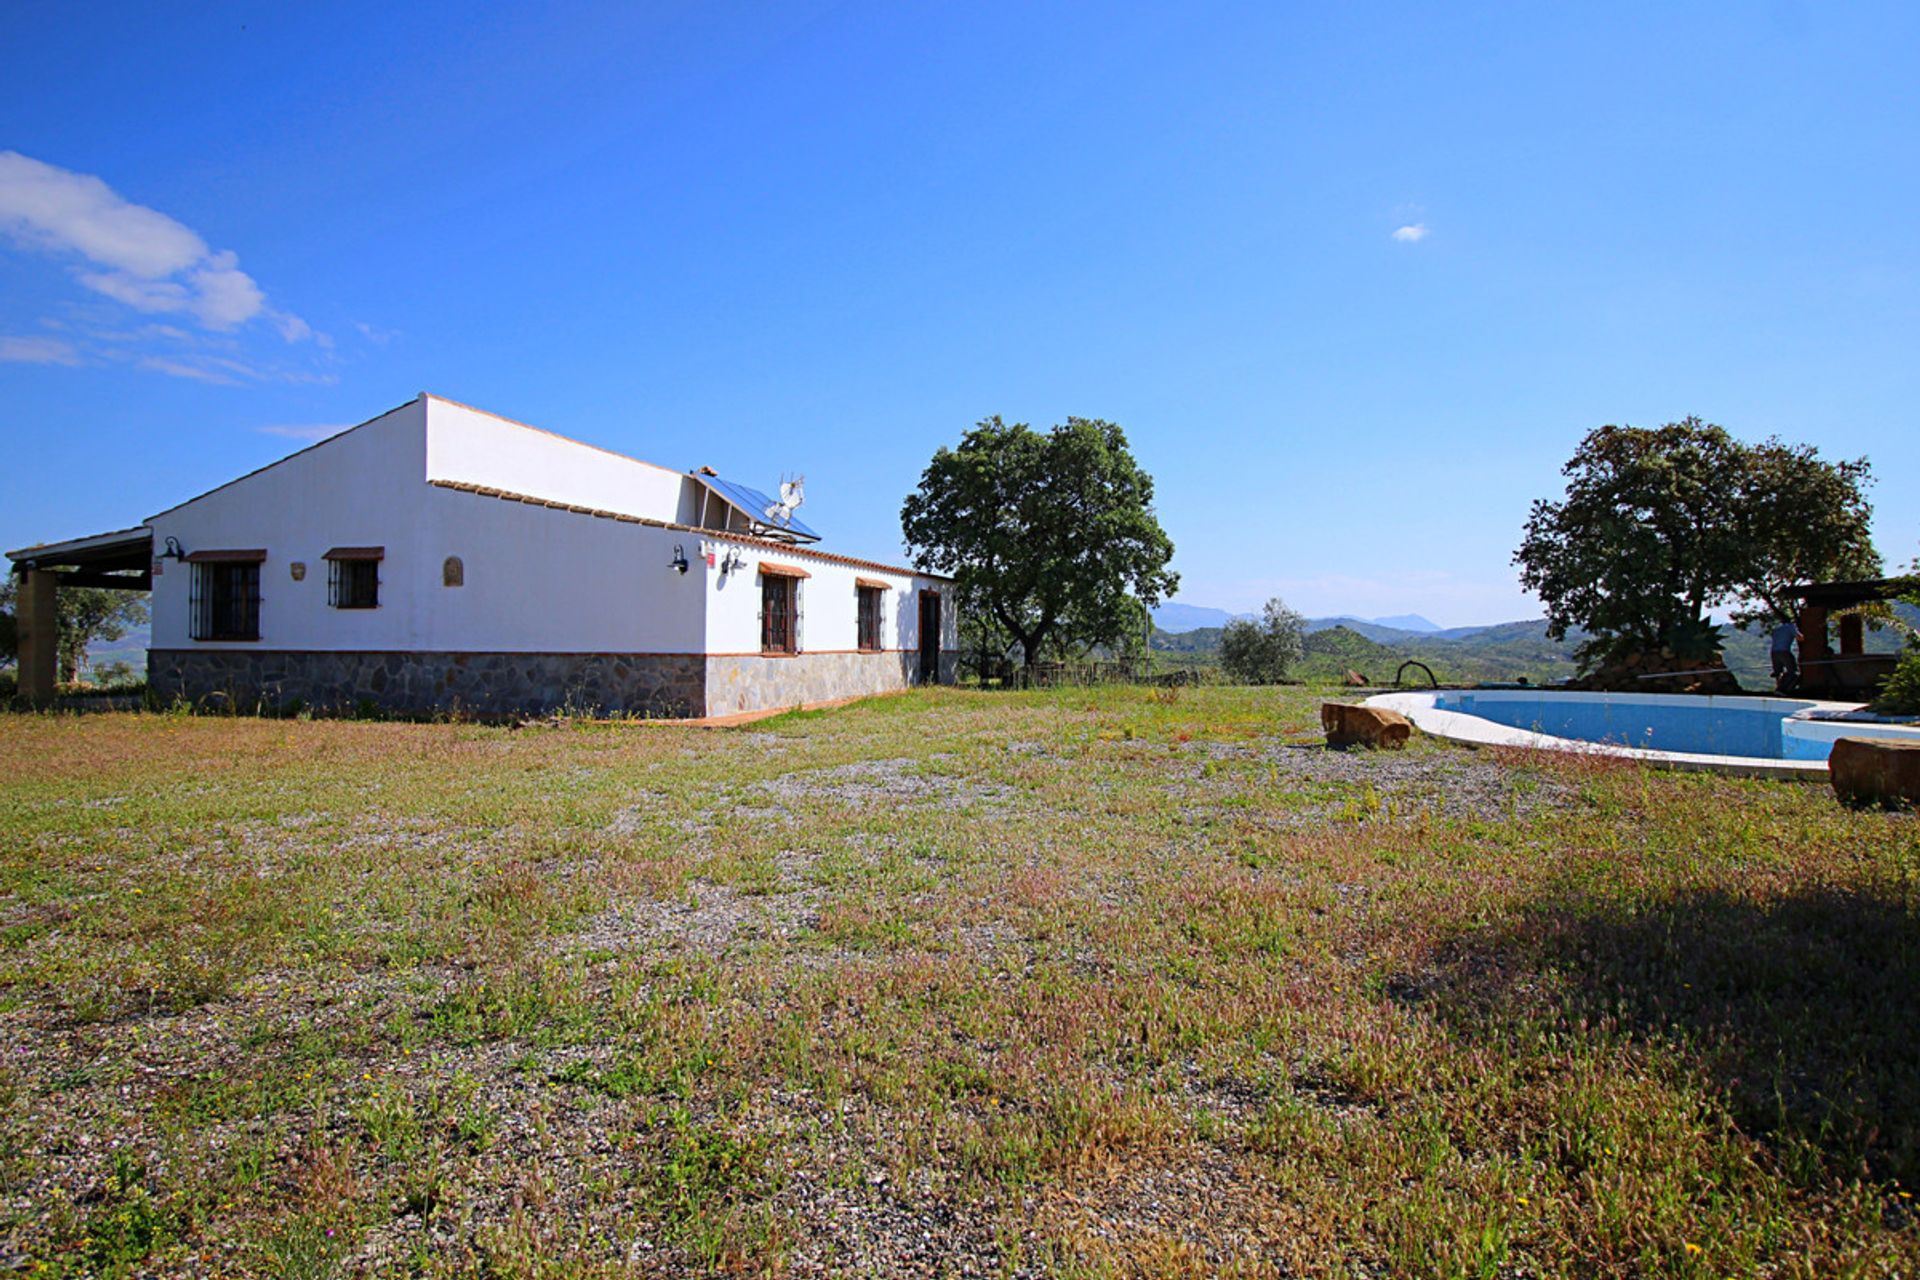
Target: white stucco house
pixel 438 557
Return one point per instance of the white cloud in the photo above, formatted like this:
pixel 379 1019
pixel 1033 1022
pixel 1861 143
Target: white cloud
pixel 1412 233
pixel 220 371
pixel 293 328
pixel 146 333
pixel 315 431
pixel 180 369
pixel 61 210
pixel 38 351
pixel 138 256
pixel 138 293
pixel 227 296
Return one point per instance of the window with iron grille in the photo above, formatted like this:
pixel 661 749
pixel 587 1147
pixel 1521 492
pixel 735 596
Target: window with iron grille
pixel 353 577
pixel 870 598
pixel 777 610
pixel 224 601
pixel 353 584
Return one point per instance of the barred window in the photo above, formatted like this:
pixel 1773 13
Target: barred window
pixel 353 577
pixel 777 614
pixel 870 606
pixel 224 596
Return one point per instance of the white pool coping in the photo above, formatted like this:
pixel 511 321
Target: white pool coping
pixel 1457 726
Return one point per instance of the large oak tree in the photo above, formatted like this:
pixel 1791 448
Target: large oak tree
pixel 1659 526
pixel 1051 534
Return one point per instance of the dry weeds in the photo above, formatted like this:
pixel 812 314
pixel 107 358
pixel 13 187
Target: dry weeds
pixel 1089 983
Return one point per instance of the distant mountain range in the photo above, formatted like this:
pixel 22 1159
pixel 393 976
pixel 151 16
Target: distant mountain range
pixel 1387 630
pixel 1174 617
pixel 1407 622
pixel 130 649
pixel 1502 651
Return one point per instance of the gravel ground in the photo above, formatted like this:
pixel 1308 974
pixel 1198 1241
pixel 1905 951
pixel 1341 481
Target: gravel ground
pixel 891 782
pixel 1203 1212
pixel 1024 1005
pixel 1387 786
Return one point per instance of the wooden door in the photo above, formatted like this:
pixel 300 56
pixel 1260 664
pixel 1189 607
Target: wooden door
pixel 929 637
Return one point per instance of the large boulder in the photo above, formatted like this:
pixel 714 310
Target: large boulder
pixel 1348 725
pixel 1875 771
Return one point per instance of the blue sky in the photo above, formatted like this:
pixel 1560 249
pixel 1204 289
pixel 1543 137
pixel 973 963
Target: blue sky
pixel 1355 278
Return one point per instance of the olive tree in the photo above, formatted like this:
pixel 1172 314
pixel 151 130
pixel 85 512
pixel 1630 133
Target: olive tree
pixel 1261 652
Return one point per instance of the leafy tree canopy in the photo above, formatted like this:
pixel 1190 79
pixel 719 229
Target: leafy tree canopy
pixel 82 614
pixel 1052 535
pixel 1661 525
pixel 1260 652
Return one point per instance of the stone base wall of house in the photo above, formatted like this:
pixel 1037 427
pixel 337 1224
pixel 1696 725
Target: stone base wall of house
pixel 482 684
pixel 668 686
pixel 753 683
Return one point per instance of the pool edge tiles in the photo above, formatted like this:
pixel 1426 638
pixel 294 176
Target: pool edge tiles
pixel 1427 714
pixel 1811 735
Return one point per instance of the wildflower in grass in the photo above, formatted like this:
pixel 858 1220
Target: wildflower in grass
pixel 1692 1247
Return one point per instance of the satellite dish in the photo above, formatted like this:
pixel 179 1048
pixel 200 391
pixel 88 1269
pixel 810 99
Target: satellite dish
pixel 792 493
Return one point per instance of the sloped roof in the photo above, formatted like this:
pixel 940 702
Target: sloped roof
pixel 718 535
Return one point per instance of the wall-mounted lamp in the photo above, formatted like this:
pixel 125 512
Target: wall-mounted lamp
pixel 679 558
pixel 734 561
pixel 172 550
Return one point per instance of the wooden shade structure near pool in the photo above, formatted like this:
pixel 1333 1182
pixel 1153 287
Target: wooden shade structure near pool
pixel 1850 673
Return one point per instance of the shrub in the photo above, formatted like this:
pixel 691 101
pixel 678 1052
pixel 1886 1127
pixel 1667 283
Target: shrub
pixel 1900 695
pixel 119 676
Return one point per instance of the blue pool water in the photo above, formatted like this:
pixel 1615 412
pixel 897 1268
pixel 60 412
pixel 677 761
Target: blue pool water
pixel 1709 726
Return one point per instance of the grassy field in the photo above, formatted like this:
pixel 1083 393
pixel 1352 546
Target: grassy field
pixel 1083 983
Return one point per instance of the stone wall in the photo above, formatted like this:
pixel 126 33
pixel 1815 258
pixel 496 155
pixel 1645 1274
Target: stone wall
pixel 484 684
pixel 673 686
pixel 753 683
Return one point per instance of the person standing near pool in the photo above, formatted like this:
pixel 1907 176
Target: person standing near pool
pixel 1786 670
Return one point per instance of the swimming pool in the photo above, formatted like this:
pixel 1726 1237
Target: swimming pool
pixel 1772 737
